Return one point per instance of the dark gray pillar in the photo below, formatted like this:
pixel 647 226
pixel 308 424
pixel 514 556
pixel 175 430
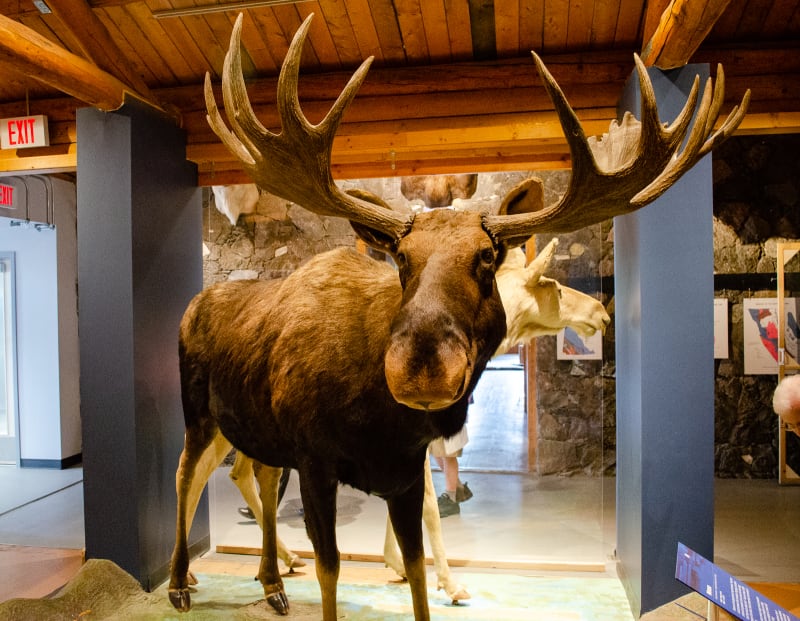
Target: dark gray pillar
pixel 139 264
pixel 664 291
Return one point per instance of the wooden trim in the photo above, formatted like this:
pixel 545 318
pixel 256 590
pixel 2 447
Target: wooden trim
pixel 453 562
pixel 464 150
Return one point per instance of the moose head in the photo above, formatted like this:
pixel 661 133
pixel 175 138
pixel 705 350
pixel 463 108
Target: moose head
pixel 450 319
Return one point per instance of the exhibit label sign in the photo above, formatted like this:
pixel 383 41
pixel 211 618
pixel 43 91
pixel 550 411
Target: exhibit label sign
pixel 23 132
pixel 726 591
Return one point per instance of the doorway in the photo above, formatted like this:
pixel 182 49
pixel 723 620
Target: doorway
pixel 9 423
pixel 497 420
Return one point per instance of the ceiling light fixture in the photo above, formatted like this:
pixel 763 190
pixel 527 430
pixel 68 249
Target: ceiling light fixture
pixel 220 8
pixel 41 5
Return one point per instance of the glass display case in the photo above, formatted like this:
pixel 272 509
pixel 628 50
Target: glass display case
pixel 788 271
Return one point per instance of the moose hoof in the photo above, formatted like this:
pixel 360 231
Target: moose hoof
pixel 180 599
pixel 455 593
pixel 296 561
pixel 279 602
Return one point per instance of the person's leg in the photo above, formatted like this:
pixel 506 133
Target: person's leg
pixel 451 481
pixel 447 501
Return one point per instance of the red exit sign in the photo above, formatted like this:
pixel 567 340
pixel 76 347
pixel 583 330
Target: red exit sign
pixel 6 195
pixel 24 131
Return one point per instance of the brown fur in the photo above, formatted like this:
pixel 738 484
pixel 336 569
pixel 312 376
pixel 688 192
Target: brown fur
pixel 331 372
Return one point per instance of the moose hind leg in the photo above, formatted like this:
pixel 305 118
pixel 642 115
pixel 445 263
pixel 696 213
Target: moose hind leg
pixel 405 512
pixel 430 516
pixel 202 452
pixel 391 551
pixel 243 477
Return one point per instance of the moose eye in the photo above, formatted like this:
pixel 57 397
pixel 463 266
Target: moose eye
pixel 487 256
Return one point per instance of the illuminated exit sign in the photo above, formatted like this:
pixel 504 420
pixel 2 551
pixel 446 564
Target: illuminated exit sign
pixel 24 131
pixel 6 195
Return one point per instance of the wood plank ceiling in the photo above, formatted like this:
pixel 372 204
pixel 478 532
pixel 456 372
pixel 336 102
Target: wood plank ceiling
pixel 452 88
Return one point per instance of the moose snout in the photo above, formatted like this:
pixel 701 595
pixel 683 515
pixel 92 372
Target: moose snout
pixel 432 382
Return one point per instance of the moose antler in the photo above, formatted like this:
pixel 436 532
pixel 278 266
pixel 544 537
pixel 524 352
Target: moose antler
pixel 625 169
pixel 294 164
pixel 631 165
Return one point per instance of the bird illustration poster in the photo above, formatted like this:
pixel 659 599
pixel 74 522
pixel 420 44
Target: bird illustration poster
pixel 792 331
pixel 760 319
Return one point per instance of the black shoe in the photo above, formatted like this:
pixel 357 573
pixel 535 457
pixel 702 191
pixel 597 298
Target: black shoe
pixel 447 506
pixel 247 512
pixel 463 493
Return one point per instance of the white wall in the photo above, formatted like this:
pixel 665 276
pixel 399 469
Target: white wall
pixel 47 321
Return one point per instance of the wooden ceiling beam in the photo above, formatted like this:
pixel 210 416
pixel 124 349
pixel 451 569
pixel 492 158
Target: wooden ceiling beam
pixel 401 122
pixel 97 44
pixel 682 27
pixel 652 18
pixel 34 55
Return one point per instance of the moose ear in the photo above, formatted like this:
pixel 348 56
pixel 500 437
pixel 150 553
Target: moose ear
pixel 525 197
pixel 371 236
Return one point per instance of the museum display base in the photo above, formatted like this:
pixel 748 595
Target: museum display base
pixel 367 592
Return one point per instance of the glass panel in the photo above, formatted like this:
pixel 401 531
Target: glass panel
pixel 788 268
pixel 537 461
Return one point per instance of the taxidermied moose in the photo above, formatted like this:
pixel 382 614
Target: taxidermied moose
pixel 535 306
pixel 386 359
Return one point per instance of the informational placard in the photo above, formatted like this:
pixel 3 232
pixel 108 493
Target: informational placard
pixel 760 323
pixel 726 591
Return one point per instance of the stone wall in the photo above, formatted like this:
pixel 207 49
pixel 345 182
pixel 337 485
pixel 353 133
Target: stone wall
pixel 755 205
pixel 756 190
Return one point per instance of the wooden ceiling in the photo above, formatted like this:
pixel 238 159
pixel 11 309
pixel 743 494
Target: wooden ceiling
pixel 452 88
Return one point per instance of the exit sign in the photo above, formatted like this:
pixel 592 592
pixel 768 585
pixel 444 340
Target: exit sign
pixel 24 131
pixel 6 195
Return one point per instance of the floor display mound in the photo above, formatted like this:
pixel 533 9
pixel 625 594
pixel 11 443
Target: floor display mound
pixel 101 590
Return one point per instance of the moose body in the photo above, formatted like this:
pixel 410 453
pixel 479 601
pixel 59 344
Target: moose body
pixel 534 306
pixel 293 374
pixel 302 364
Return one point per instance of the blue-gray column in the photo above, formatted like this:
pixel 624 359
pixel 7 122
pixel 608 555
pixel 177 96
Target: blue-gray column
pixel 664 291
pixel 139 264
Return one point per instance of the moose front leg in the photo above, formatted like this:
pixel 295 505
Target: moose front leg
pixel 405 512
pixel 268 574
pixel 318 493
